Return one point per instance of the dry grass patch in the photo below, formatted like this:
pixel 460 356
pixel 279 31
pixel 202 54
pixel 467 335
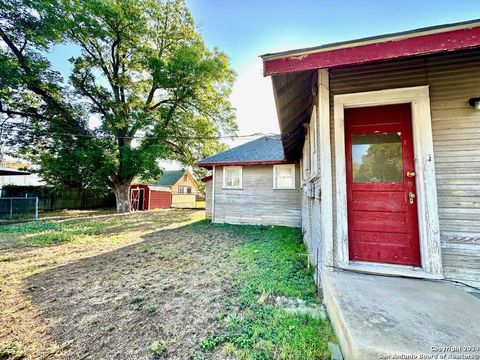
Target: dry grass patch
pixel 31 248
pixel 155 285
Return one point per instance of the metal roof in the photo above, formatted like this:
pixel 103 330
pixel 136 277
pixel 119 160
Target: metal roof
pixel 4 171
pixel 264 150
pixel 169 178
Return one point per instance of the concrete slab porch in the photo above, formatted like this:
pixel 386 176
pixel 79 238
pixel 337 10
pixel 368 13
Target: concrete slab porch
pixel 381 317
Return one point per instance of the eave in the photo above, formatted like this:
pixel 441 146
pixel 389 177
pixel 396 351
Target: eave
pixel 418 42
pixel 209 165
pixel 9 172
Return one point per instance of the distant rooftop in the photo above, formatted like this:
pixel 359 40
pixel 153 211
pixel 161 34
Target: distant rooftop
pixel 265 150
pixel 169 178
pixel 4 171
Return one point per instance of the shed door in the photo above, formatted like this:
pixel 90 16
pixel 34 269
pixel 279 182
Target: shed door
pixel 381 197
pixel 137 199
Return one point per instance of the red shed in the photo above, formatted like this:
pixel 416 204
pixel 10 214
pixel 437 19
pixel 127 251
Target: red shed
pixel 149 197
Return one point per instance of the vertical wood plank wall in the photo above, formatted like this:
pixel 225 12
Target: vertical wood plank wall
pixel 453 79
pixel 258 203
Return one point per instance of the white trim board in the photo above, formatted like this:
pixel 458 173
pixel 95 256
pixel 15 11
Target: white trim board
pixel 429 234
pixel 323 118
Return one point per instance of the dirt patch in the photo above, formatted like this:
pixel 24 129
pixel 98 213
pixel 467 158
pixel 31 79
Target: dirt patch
pixel 166 289
pixel 39 307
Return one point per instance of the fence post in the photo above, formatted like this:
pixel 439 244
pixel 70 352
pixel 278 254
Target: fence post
pixel 36 208
pixel 11 208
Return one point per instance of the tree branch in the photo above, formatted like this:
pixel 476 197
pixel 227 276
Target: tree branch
pixel 22 113
pixel 33 83
pixel 91 97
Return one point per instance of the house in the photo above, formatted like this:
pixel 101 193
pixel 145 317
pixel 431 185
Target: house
pixel 175 188
pixel 386 130
pixel 253 184
pixel 10 175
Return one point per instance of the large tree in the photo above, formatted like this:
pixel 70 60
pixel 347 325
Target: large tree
pixel 144 87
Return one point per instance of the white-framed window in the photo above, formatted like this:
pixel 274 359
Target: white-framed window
pixel 313 143
pixel 232 177
pixel 284 176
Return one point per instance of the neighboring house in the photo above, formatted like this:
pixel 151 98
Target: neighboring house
pixel 253 184
pixel 183 187
pixel 13 176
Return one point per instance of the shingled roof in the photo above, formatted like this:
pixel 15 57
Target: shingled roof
pixel 265 150
pixel 169 178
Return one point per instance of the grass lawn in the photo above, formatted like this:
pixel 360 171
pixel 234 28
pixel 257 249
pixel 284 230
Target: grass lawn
pixel 160 284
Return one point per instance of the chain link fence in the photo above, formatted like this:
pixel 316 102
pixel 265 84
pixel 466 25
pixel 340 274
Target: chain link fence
pixel 18 208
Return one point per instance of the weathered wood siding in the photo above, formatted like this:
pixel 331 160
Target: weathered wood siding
pixel 453 79
pixel 208 199
pixel 257 203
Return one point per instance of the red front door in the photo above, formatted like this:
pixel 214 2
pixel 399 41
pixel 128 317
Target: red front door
pixel 381 196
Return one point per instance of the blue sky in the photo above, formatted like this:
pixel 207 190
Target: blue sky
pixel 245 29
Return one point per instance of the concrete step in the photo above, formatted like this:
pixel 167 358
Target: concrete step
pixel 381 317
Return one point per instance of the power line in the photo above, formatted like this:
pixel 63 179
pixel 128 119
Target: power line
pixel 231 137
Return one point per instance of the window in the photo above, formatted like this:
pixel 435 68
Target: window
pixel 232 177
pixel 284 176
pixel 185 178
pixel 181 190
pixel 377 158
pixel 189 189
pixel 313 143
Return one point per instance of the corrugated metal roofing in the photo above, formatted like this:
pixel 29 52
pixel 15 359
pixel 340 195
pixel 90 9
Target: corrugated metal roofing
pixel 169 177
pixel 265 149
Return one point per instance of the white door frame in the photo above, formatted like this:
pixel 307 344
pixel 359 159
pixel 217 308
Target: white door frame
pixel 429 234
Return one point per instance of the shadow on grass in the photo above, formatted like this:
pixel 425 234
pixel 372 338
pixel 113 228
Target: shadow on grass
pixel 166 289
pixel 186 293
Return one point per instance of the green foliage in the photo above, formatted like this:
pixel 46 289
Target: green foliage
pixel 137 299
pixel 272 263
pixel 12 351
pixel 143 73
pixel 381 163
pixel 158 348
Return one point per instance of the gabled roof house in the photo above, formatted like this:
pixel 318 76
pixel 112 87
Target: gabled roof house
pixel 253 184
pixel 385 131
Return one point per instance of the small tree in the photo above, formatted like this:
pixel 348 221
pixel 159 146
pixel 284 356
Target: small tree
pixel 144 76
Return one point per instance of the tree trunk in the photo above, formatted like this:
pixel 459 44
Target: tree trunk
pixel 122 197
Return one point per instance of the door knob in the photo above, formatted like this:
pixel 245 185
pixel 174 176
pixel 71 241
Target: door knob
pixel 410 174
pixel 411 197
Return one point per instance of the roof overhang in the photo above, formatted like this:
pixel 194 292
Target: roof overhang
pixel 209 165
pixel 9 172
pixel 206 178
pixel 423 41
pixel 294 72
